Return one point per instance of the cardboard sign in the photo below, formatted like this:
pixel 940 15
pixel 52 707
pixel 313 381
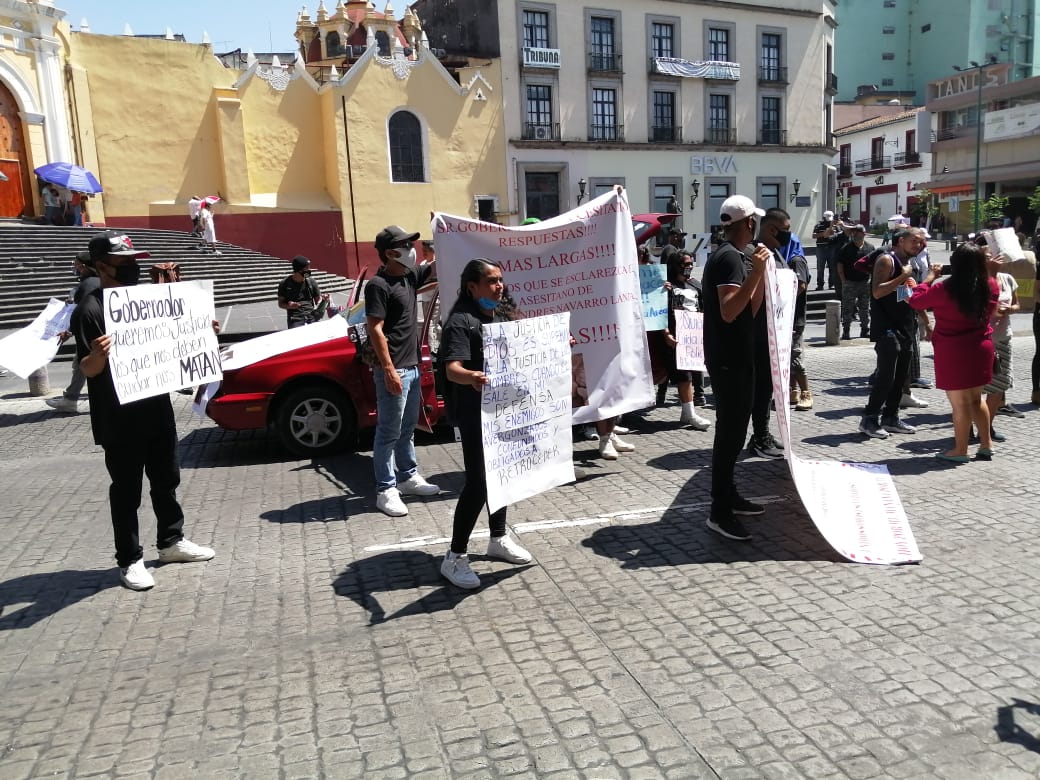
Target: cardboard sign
pixel 689 333
pixel 655 298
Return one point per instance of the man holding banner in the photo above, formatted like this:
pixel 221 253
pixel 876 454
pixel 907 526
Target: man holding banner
pixel 733 288
pixel 139 437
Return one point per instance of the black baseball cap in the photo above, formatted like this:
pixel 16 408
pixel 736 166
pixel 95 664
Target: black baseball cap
pixel 112 244
pixel 393 234
pixel 299 263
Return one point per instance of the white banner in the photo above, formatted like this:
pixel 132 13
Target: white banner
pixel 37 343
pixel 162 338
pixel 689 332
pixel 254 350
pixel 855 506
pixel 582 262
pixel 525 408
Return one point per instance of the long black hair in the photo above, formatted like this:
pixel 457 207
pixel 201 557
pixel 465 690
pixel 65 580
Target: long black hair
pixel 475 270
pixel 968 282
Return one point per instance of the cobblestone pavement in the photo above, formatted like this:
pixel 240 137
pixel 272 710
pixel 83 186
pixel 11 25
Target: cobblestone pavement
pixel 322 642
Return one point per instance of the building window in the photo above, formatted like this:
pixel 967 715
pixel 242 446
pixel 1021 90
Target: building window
pixel 845 160
pixel 383 43
pixel 604 115
pixel 536 29
pixel 889 4
pixel 768 196
pixel 539 113
pixel 332 47
pixel 663 192
pixel 543 194
pixel 664 129
pixel 601 43
pixel 771 128
pixel 888 30
pixel 926 27
pixel 769 60
pixel 877 151
pixel 910 144
pixel 662 39
pixel 406 149
pixel 887 55
pixel 718 44
pixel 719 129
pixel 888 82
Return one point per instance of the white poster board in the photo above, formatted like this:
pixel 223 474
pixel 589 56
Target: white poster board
pixel 855 506
pixel 37 343
pixel 652 277
pixel 689 333
pixel 582 262
pixel 525 409
pixel 162 338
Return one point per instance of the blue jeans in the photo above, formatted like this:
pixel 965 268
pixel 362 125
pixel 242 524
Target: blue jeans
pixel 396 416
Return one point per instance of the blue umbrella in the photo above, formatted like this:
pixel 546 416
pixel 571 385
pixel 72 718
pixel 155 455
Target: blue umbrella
pixel 70 176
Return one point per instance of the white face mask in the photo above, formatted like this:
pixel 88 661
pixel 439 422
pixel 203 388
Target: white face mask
pixel 407 259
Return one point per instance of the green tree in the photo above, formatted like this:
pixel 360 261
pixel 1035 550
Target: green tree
pixel 1034 201
pixel 991 208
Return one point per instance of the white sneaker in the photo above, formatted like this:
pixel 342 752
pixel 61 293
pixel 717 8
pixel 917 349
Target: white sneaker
pixel 621 430
pixel 185 552
pixel 694 420
pixel 455 568
pixel 505 548
pixel 607 450
pixel 911 401
pixel 621 446
pixel 62 404
pixel 590 433
pixel 389 503
pixel 417 486
pixel 136 576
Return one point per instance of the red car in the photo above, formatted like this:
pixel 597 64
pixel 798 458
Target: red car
pixel 316 397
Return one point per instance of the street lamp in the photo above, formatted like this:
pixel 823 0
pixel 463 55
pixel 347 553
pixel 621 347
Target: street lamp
pixel 795 186
pixel 582 184
pixel 978 132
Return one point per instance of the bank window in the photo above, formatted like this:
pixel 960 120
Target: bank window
pixel 768 195
pixel 406 151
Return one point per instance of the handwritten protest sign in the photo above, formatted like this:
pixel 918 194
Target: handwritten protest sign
pixel 855 506
pixel 162 338
pixel 655 298
pixel 582 262
pixel 525 409
pixel 37 343
pixel 689 333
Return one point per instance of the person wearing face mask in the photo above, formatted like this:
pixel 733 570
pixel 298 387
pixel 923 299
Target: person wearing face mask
pixel 481 290
pixel 139 437
pixel 855 284
pixel 392 321
pixel 733 289
pixel 68 401
pixel 299 294
pixel 682 296
pixel 793 255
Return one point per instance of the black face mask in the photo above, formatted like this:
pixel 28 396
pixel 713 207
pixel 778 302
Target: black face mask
pixel 128 275
pixel 783 237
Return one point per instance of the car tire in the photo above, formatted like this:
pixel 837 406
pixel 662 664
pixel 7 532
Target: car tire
pixel 316 420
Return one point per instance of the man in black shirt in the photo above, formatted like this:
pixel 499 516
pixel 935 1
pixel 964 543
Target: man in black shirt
pixel 676 239
pixel 68 401
pixel 139 437
pixel 391 316
pixel 299 294
pixel 733 288
pixel 824 234
pixel 855 284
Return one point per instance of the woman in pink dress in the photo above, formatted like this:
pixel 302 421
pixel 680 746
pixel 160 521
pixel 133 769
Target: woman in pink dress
pixel 962 341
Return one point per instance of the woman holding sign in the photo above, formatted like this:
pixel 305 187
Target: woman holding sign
pixel 462 352
pixel 683 298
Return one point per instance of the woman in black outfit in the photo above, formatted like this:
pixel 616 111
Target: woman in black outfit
pixel 462 350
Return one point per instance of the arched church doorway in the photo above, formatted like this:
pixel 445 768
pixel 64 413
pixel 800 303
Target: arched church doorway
pixel 15 198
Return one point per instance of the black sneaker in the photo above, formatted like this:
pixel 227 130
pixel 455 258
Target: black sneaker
pixel 765 447
pixel 728 526
pixel 1011 411
pixel 997 435
pixel 895 425
pixel 741 506
pixel 871 427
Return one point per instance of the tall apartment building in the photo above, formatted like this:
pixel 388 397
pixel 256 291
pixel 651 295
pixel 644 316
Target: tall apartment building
pixel 672 99
pixel 895 47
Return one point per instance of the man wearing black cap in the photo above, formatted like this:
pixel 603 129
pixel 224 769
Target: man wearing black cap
pixel 139 437
pixel 391 316
pixel 298 294
pixel 676 239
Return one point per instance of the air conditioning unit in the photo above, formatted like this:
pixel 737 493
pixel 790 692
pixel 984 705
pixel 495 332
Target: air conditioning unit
pixel 541 133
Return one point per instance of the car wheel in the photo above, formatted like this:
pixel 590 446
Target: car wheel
pixel 316 420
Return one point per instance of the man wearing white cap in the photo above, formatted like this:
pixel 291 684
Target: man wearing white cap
pixel 824 234
pixel 733 286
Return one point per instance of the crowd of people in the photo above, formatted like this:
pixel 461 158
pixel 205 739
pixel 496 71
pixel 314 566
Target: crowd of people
pixel 62 206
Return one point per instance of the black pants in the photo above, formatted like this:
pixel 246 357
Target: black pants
pixel 894 353
pixel 734 389
pixel 763 391
pixel 473 497
pixel 151 452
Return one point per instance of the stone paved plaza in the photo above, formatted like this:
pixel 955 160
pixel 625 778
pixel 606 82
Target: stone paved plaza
pixel 321 641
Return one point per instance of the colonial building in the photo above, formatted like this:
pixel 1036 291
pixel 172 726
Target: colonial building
pixel 674 100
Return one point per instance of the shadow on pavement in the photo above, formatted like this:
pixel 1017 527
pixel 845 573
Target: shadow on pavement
pixel 1010 731
pixel 408 570
pixel 46 593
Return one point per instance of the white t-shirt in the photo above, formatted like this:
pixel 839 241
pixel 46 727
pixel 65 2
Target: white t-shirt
pixel 1002 325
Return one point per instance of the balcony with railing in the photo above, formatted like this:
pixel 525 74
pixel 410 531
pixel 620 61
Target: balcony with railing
pixel 874 164
pixel 772 74
pixel 604 63
pixel 772 136
pixel 720 135
pixel 966 130
pixel 906 159
pixel 601 132
pixel 541 131
pixel 665 134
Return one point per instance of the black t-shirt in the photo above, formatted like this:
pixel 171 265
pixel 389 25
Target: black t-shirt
pixel 392 299
pixel 86 286
pixel 890 314
pixel 303 293
pixel 462 340
pixel 111 422
pixel 725 343
pixel 848 256
pixel 800 266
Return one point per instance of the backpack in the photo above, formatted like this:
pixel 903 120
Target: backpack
pixel 865 264
pixel 164 273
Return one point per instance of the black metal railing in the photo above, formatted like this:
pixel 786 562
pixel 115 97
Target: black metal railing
pixel 665 134
pixel 907 158
pixel 772 74
pixel 720 135
pixel 600 132
pixel 844 169
pixel 605 63
pixel 770 135
pixel 874 164
pixel 539 131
